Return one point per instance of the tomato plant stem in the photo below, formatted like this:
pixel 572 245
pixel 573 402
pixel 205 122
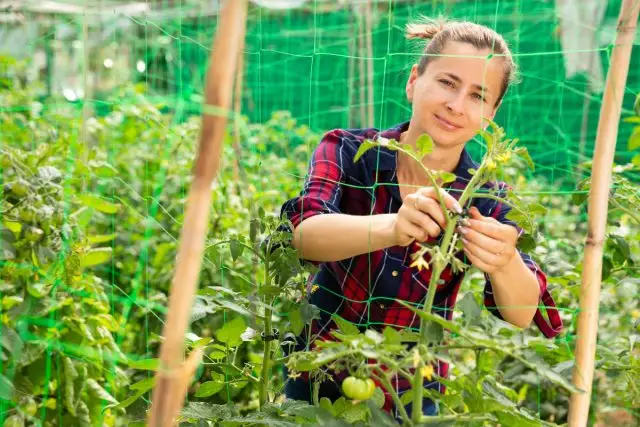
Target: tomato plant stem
pixel 268 331
pixel 438 268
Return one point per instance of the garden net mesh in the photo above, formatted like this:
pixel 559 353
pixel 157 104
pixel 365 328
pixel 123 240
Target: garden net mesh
pixel 325 65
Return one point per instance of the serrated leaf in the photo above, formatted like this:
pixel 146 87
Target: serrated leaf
pixel 424 144
pixel 230 332
pixel 207 411
pixel 98 203
pixel 345 326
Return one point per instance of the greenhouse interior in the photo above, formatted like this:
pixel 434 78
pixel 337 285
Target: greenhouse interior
pixel 466 174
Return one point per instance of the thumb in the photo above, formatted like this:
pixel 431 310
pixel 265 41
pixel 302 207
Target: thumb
pixel 475 214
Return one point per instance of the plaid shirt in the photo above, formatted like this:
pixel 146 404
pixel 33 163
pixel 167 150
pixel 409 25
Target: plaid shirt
pixel 364 289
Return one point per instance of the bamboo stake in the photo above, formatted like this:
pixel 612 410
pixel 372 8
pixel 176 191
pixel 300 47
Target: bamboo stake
pixel 173 376
pixel 238 171
pixel 598 207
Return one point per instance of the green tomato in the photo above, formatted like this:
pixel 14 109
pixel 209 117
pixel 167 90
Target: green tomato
pixel 27 214
pixel 33 234
pixel 30 407
pixel 358 389
pixel 13 421
pixel 20 188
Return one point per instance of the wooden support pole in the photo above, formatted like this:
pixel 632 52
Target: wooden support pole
pixel 598 206
pixel 174 376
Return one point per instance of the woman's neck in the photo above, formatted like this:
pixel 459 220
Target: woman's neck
pixel 441 158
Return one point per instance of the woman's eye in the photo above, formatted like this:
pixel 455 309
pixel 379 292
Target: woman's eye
pixel 446 82
pixel 478 96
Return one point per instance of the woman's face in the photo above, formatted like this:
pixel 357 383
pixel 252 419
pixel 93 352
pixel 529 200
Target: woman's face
pixel 454 93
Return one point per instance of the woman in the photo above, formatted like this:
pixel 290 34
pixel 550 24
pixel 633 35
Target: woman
pixel 361 221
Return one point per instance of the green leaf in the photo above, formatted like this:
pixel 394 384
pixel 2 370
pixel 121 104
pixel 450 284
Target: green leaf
pixel 97 391
pixel 524 153
pixel 69 392
pixel 207 411
pixel 365 146
pixel 145 364
pixel 472 171
pixel 470 308
pixel 446 324
pixel 209 388
pixel 6 388
pixel 345 326
pixel 144 385
pixel 236 249
pixel 434 332
pixel 39 290
pixel 14 226
pixel 231 331
pixel 295 320
pixel 447 177
pixel 378 397
pixel 93 201
pixel 103 238
pixel 391 335
pixel 424 144
pixel 96 256
pixel 634 139
pixel 632 119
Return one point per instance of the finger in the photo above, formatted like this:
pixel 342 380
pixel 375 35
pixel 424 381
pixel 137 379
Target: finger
pixel 416 232
pixel 484 241
pixel 495 230
pixel 482 254
pixel 477 261
pixel 432 208
pixel 449 201
pixel 424 221
pixel 475 214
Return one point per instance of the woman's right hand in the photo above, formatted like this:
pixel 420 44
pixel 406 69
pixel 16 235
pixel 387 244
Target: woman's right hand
pixel 420 217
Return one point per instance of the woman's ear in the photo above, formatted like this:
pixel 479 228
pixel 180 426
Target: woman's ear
pixel 413 76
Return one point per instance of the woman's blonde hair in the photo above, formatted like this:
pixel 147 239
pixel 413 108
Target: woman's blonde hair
pixel 440 31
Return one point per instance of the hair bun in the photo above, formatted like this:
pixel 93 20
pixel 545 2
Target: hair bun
pixel 424 31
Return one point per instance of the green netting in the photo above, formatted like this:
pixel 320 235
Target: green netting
pixel 312 64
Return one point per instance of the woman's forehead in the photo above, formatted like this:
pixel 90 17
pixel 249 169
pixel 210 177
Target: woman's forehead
pixel 470 64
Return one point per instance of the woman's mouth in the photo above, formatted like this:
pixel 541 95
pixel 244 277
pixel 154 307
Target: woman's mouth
pixel 446 124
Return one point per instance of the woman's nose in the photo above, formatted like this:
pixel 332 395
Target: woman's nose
pixel 455 104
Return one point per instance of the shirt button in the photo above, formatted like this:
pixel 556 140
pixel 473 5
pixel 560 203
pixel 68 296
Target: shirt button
pixel 394 273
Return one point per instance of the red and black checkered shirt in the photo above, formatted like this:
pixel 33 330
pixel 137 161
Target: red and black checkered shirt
pixel 365 289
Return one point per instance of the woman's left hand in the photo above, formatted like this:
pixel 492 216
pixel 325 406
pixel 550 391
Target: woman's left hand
pixel 489 244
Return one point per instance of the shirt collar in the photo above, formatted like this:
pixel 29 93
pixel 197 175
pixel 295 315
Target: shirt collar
pixel 387 160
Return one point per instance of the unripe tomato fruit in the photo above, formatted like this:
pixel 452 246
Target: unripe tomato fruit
pixel 358 389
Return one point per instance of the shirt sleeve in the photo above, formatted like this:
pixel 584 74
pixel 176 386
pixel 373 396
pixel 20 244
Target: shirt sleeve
pixel 322 189
pixel 551 325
